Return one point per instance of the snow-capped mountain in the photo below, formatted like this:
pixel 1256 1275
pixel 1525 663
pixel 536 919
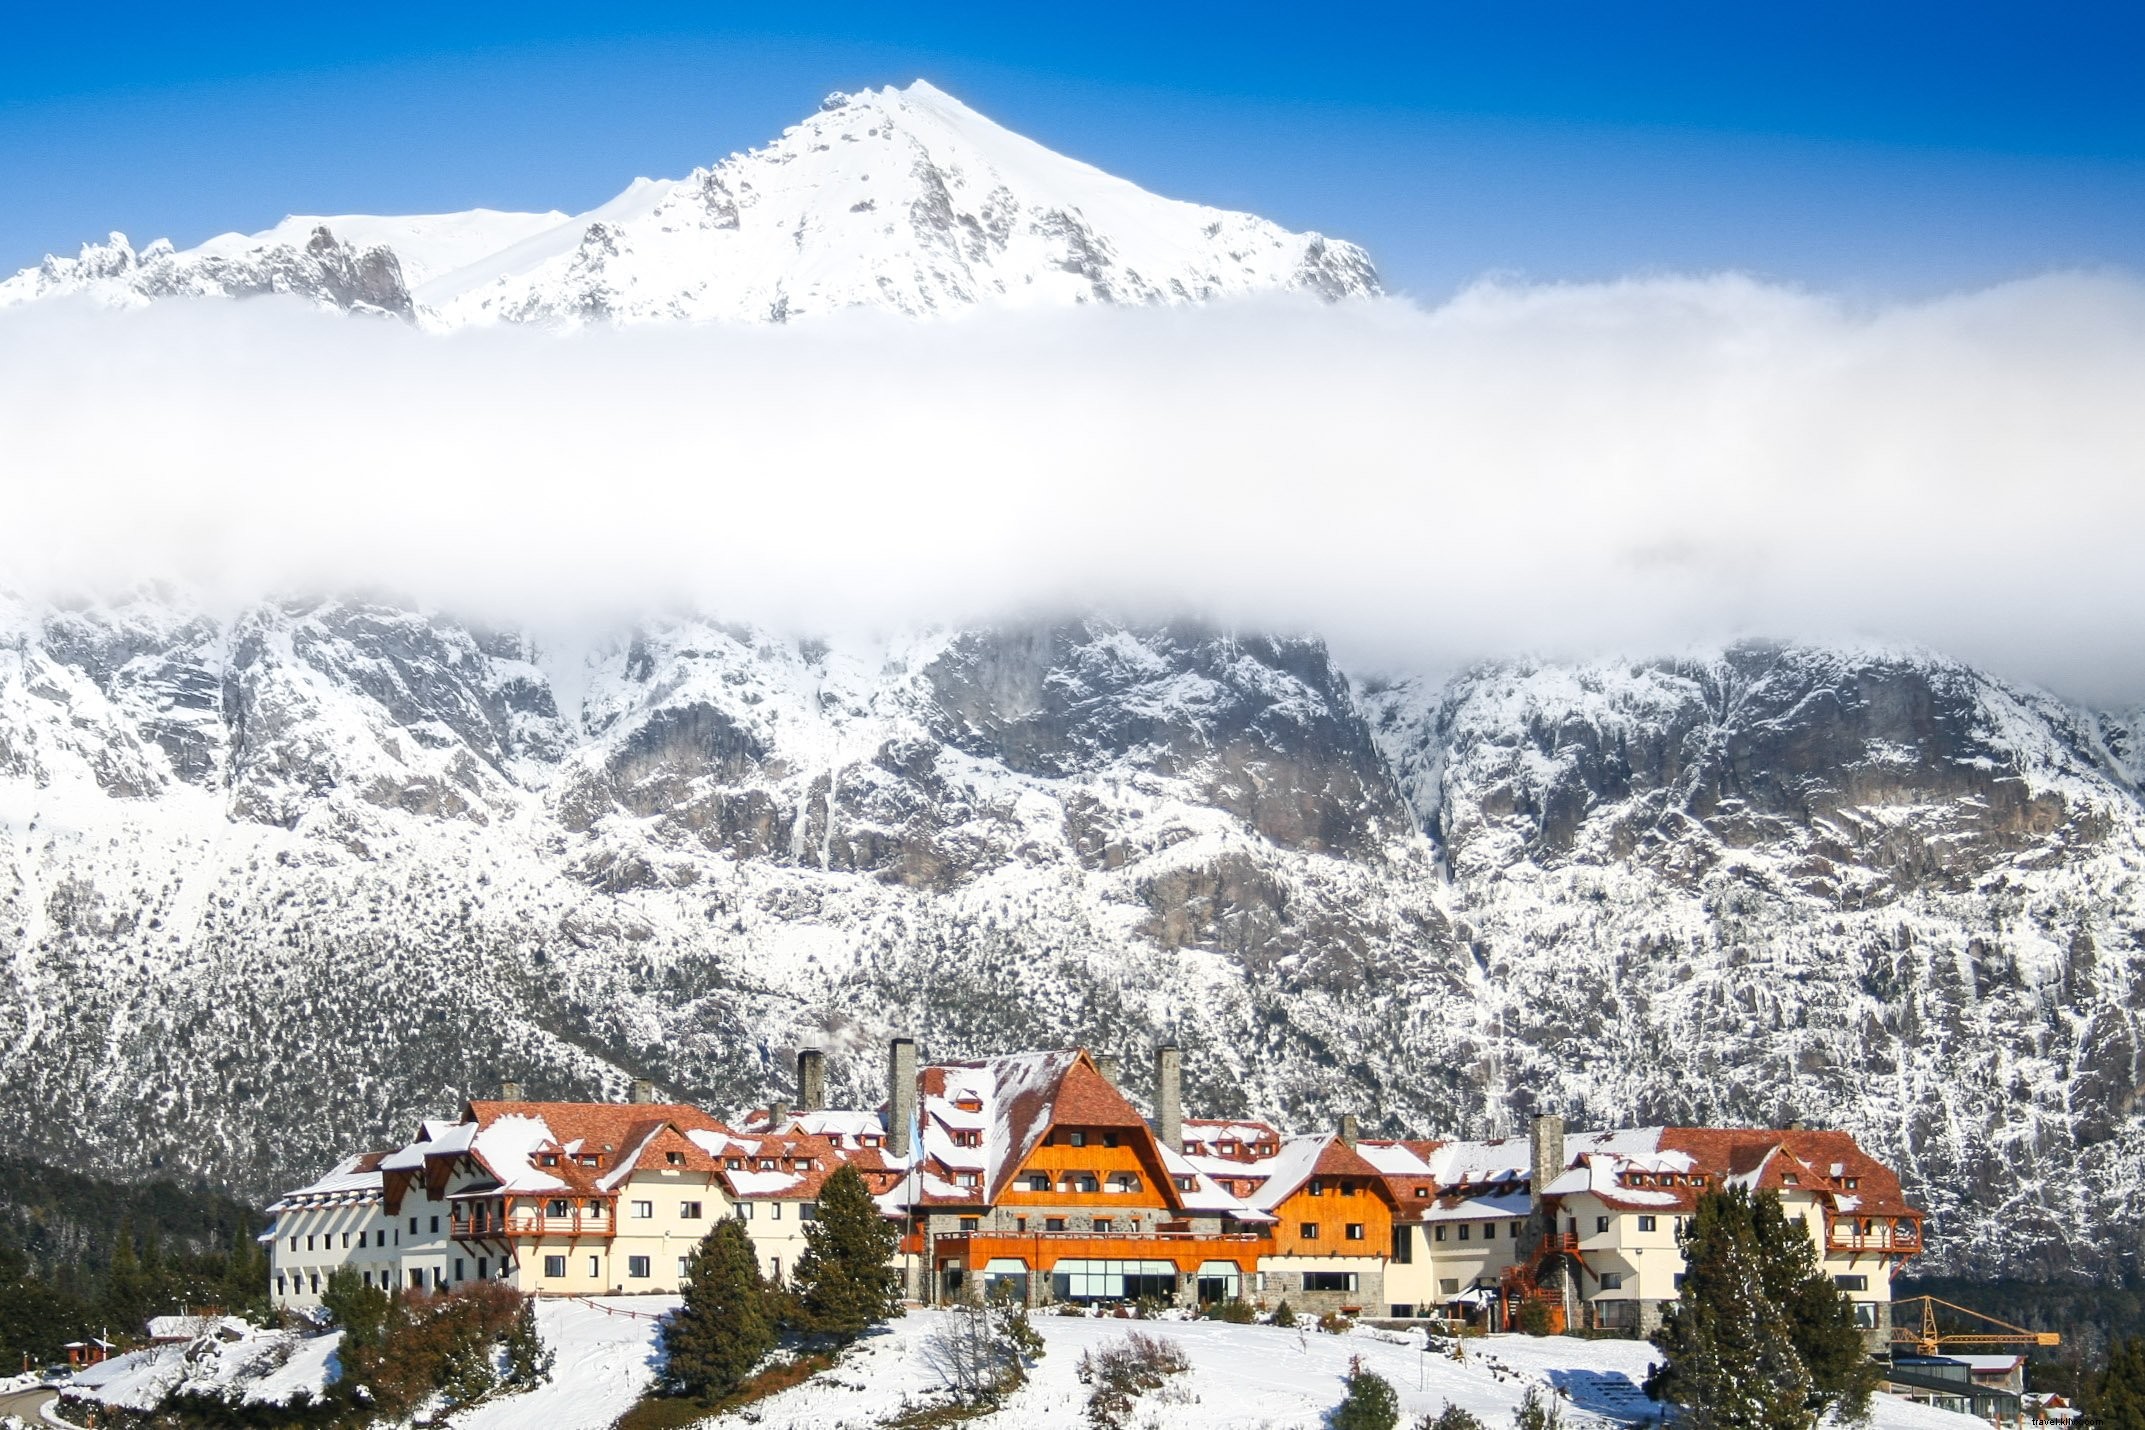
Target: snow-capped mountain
pixel 273 883
pixel 905 200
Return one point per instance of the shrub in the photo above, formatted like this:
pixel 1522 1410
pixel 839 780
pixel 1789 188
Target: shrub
pixel 1235 1312
pixel 1534 1319
pixel 1121 1371
pixel 1371 1402
pixel 528 1359
pixel 1539 1411
pixel 1334 1323
pixel 1452 1417
pixel 1284 1314
pixel 982 1351
pixel 433 1345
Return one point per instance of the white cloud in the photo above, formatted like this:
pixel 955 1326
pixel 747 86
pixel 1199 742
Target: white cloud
pixel 1627 466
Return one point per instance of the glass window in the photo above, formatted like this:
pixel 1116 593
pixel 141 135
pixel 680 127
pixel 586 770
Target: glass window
pixel 637 1267
pixel 1612 1280
pixel 689 1211
pixel 774 1211
pixel 1355 1231
pixel 1437 1233
pixel 1465 1231
pixel 1646 1223
pixel 557 1207
pixel 595 1266
pixel 642 1211
pixel 1601 1224
pixel 1038 1181
pixel 435 1226
pixel 1329 1281
pixel 1308 1231
pixel 1851 1283
pixel 1056 1223
pixel 554 1266
pixel 809 1211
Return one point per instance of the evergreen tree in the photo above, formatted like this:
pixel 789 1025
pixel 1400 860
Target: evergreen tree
pixel 712 1342
pixel 1820 1318
pixel 1731 1362
pixel 1539 1411
pixel 528 1359
pixel 1371 1402
pixel 125 1303
pixel 2118 1399
pixel 842 1282
pixel 361 1310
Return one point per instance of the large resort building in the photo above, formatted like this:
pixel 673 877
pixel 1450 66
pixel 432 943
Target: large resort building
pixel 1034 1174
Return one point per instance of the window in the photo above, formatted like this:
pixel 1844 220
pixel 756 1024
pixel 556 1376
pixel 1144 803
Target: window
pixel 970 1179
pixel 684 1267
pixel 809 1211
pixel 417 1279
pixel 1851 1183
pixel 368 1278
pixel 595 1266
pixel 1789 1179
pixel 1020 1223
pixel 1449 1286
pixel 1601 1224
pixel 1851 1283
pixel 313 1280
pixel 774 1211
pixel 1355 1231
pixel 642 1211
pixel 1465 1231
pixel 637 1267
pixel 294 1243
pixel 1308 1231
pixel 595 1209
pixel 346 1241
pixel 1038 1181
pixel 1403 1245
pixel 1646 1223
pixel 309 1241
pixel 968 1223
pixel 1329 1281
pixel 1437 1233
pixel 688 1211
pixel 1103 1226
pixel 279 1281
pixel 1865 1315
pixel 1350 1189
pixel 484 1268
pixel 413 1226
pixel 1422 1191
pixel 1056 1223
pixel 1076 1139
pixel 744 1211
pixel 774 1268
pixel 1612 1280
pixel 1124 1182
pixel 435 1226
pixel 1186 1184
pixel 1085 1182
pixel 1318 1188
pixel 458 1274
pixel 557 1206
pixel 1489 1231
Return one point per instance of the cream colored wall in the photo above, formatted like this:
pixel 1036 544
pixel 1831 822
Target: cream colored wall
pixel 777 1232
pixel 665 1236
pixel 1414 1282
pixel 1466 1262
pixel 322 1259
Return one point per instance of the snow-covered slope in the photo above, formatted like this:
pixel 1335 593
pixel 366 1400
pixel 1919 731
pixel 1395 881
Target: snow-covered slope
pixel 1867 887
pixel 904 200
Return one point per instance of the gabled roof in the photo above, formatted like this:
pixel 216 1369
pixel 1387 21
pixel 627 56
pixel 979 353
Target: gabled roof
pixel 1301 1159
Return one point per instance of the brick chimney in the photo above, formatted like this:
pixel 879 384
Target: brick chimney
pixel 777 1114
pixel 643 1090
pixel 1169 1096
pixel 900 1094
pixel 510 1091
pixel 1110 1067
pixel 1348 1129
pixel 811 1080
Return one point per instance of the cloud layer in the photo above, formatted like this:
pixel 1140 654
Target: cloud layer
pixel 1565 470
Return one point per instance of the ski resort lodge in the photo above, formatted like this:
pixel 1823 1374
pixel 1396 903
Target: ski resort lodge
pixel 1034 1174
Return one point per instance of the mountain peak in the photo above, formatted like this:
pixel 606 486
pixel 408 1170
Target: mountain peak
pixel 898 199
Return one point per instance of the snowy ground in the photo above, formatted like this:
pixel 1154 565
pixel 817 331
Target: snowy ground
pixel 1242 1377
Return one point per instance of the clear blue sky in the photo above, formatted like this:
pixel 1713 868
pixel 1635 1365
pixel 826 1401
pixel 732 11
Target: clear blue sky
pixel 1869 147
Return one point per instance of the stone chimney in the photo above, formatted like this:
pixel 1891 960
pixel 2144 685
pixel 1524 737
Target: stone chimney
pixel 643 1090
pixel 1110 1067
pixel 1545 1140
pixel 777 1114
pixel 1348 1129
pixel 1169 1096
pixel 510 1091
pixel 900 1094
pixel 1796 1124
pixel 811 1080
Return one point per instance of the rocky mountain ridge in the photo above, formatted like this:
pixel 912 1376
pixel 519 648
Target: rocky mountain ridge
pixel 271 886
pixel 903 200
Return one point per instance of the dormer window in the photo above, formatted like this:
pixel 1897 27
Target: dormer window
pixel 1790 1180
pixel 675 1159
pixel 1318 1188
pixel 734 1164
pixel 548 1159
pixel 1076 1139
pixel 1851 1183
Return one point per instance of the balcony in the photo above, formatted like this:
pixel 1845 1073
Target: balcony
pixel 1041 1250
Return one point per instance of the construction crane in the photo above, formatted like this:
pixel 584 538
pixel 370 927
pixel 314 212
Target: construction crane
pixel 1932 1342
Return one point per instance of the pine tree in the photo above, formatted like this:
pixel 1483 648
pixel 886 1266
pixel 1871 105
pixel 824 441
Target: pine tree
pixel 528 1359
pixel 842 1282
pixel 1731 1362
pixel 1821 1320
pixel 712 1342
pixel 1371 1402
pixel 2118 1400
pixel 360 1309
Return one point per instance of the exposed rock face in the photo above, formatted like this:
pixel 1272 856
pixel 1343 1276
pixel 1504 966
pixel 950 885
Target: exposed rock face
pixel 324 271
pixel 1863 887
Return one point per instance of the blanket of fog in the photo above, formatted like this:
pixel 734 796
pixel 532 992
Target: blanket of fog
pixel 1627 467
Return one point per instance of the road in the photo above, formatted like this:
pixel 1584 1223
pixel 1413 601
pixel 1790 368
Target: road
pixel 26 1403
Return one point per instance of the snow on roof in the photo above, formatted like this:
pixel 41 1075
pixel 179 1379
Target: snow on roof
pixel 1394 1158
pixel 1496 1208
pixel 354 1179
